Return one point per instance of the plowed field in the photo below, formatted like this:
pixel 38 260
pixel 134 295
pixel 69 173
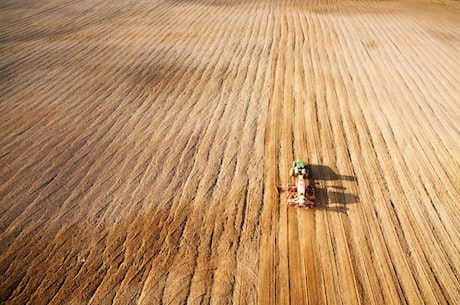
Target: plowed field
pixel 141 143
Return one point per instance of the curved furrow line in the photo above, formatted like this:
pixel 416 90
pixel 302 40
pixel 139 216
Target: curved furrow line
pixel 427 233
pixel 185 217
pixel 251 234
pixel 36 84
pixel 316 134
pixel 288 248
pixel 325 145
pixel 56 59
pixel 193 191
pixel 434 168
pixel 403 239
pixel 96 122
pixel 362 245
pixel 295 289
pixel 437 59
pixel 343 146
pixel 108 60
pixel 364 143
pixel 431 146
pixel 409 285
pixel 268 292
pixel 219 118
pixel 45 252
pixel 178 120
pixel 41 13
pixel 396 289
pixel 338 144
pixel 312 283
pixel 316 264
pixel 247 82
pixel 212 201
pixel 419 231
pixel 400 261
pixel 212 72
pixel 411 76
pixel 86 170
pixel 234 185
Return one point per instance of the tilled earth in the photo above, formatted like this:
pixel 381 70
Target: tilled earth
pixel 141 143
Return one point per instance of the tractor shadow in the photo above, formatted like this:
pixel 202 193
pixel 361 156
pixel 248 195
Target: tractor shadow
pixel 323 172
pixel 331 195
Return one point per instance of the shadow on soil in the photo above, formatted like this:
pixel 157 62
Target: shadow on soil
pixel 335 197
pixel 323 172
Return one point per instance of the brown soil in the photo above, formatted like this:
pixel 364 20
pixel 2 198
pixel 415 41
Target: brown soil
pixel 141 143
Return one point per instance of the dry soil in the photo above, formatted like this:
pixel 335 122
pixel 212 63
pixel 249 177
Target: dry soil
pixel 141 143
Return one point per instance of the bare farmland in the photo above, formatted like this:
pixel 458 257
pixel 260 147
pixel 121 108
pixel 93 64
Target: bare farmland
pixel 141 143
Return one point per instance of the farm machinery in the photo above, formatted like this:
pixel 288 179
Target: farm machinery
pixel 299 194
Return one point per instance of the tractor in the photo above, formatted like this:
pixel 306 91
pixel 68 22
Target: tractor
pixel 299 194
